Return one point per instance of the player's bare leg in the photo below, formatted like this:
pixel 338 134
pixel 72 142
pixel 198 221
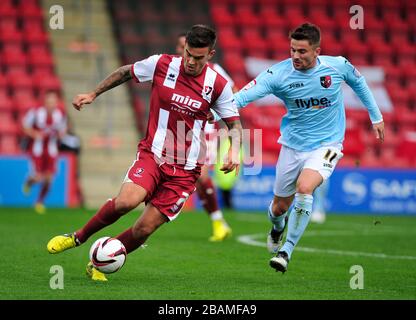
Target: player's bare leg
pixel 207 193
pixel 150 220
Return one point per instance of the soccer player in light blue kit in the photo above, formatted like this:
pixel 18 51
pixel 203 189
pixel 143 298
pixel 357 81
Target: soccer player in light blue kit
pixel 312 131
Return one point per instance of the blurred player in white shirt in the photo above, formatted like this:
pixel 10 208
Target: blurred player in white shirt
pixel 44 125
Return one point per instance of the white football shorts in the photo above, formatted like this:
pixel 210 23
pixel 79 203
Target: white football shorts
pixel 291 163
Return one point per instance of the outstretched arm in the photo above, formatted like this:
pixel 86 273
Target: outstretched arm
pixel 116 78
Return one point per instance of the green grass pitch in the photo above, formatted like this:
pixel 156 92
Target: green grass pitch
pixel 179 263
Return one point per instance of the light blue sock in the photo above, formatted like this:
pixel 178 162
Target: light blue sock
pixel 279 221
pixel 298 220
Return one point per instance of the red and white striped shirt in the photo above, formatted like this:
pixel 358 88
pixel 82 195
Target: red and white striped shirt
pixel 179 106
pixel 50 124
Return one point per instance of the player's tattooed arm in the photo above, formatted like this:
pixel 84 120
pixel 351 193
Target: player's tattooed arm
pixel 232 160
pixel 116 78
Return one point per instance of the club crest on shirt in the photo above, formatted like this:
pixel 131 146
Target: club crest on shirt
pixel 326 81
pixel 138 173
pixel 206 93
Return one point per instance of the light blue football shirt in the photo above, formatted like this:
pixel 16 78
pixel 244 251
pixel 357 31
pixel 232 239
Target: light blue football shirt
pixel 313 98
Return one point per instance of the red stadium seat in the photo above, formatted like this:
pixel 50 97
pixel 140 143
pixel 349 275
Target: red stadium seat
pixel 3 82
pixel 354 142
pixel 43 83
pixel 8 125
pixel 399 94
pixel 406 54
pixel 9 31
pixel 332 48
pixel 271 19
pixel 6 103
pixel 19 80
pixel 382 53
pixel 253 42
pixel 9 144
pixel 244 16
pixel 357 53
pixel 228 40
pixel 233 62
pixel 409 76
pixel 405 118
pixel 7 9
pixel 407 147
pixel 33 32
pixel 30 10
pixel 221 16
pixel 24 99
pixel 350 37
pixel 40 56
pixel 374 26
pixel 13 55
pixel 393 75
pixel 368 159
pixel 358 118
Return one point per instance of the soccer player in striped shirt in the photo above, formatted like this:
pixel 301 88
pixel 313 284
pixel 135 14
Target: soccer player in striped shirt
pixel 44 125
pixel 170 156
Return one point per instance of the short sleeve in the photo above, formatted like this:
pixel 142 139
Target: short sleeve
pixel 224 105
pixel 144 70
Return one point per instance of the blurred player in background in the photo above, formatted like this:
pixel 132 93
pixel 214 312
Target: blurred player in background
pixel 44 126
pixel 312 131
pixel 170 156
pixel 205 187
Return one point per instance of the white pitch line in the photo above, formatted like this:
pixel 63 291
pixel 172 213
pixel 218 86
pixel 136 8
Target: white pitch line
pixel 250 240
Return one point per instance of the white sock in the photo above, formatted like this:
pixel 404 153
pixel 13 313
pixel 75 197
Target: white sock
pixel 216 215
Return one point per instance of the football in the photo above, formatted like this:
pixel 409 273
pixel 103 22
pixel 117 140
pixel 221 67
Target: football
pixel 108 255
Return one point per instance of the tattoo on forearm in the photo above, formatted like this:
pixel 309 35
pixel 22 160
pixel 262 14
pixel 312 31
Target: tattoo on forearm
pixel 116 78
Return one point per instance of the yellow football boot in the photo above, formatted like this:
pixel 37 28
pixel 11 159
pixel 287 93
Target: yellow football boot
pixel 220 231
pixel 40 208
pixel 61 243
pixel 94 274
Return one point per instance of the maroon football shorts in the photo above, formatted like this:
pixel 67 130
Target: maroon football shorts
pixel 168 187
pixel 44 164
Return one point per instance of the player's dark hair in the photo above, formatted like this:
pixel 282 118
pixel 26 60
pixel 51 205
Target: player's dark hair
pixel 182 34
pixel 201 36
pixel 307 31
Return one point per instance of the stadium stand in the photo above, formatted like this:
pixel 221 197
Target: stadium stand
pixel 388 41
pixel 259 28
pixel 144 28
pixel 27 68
